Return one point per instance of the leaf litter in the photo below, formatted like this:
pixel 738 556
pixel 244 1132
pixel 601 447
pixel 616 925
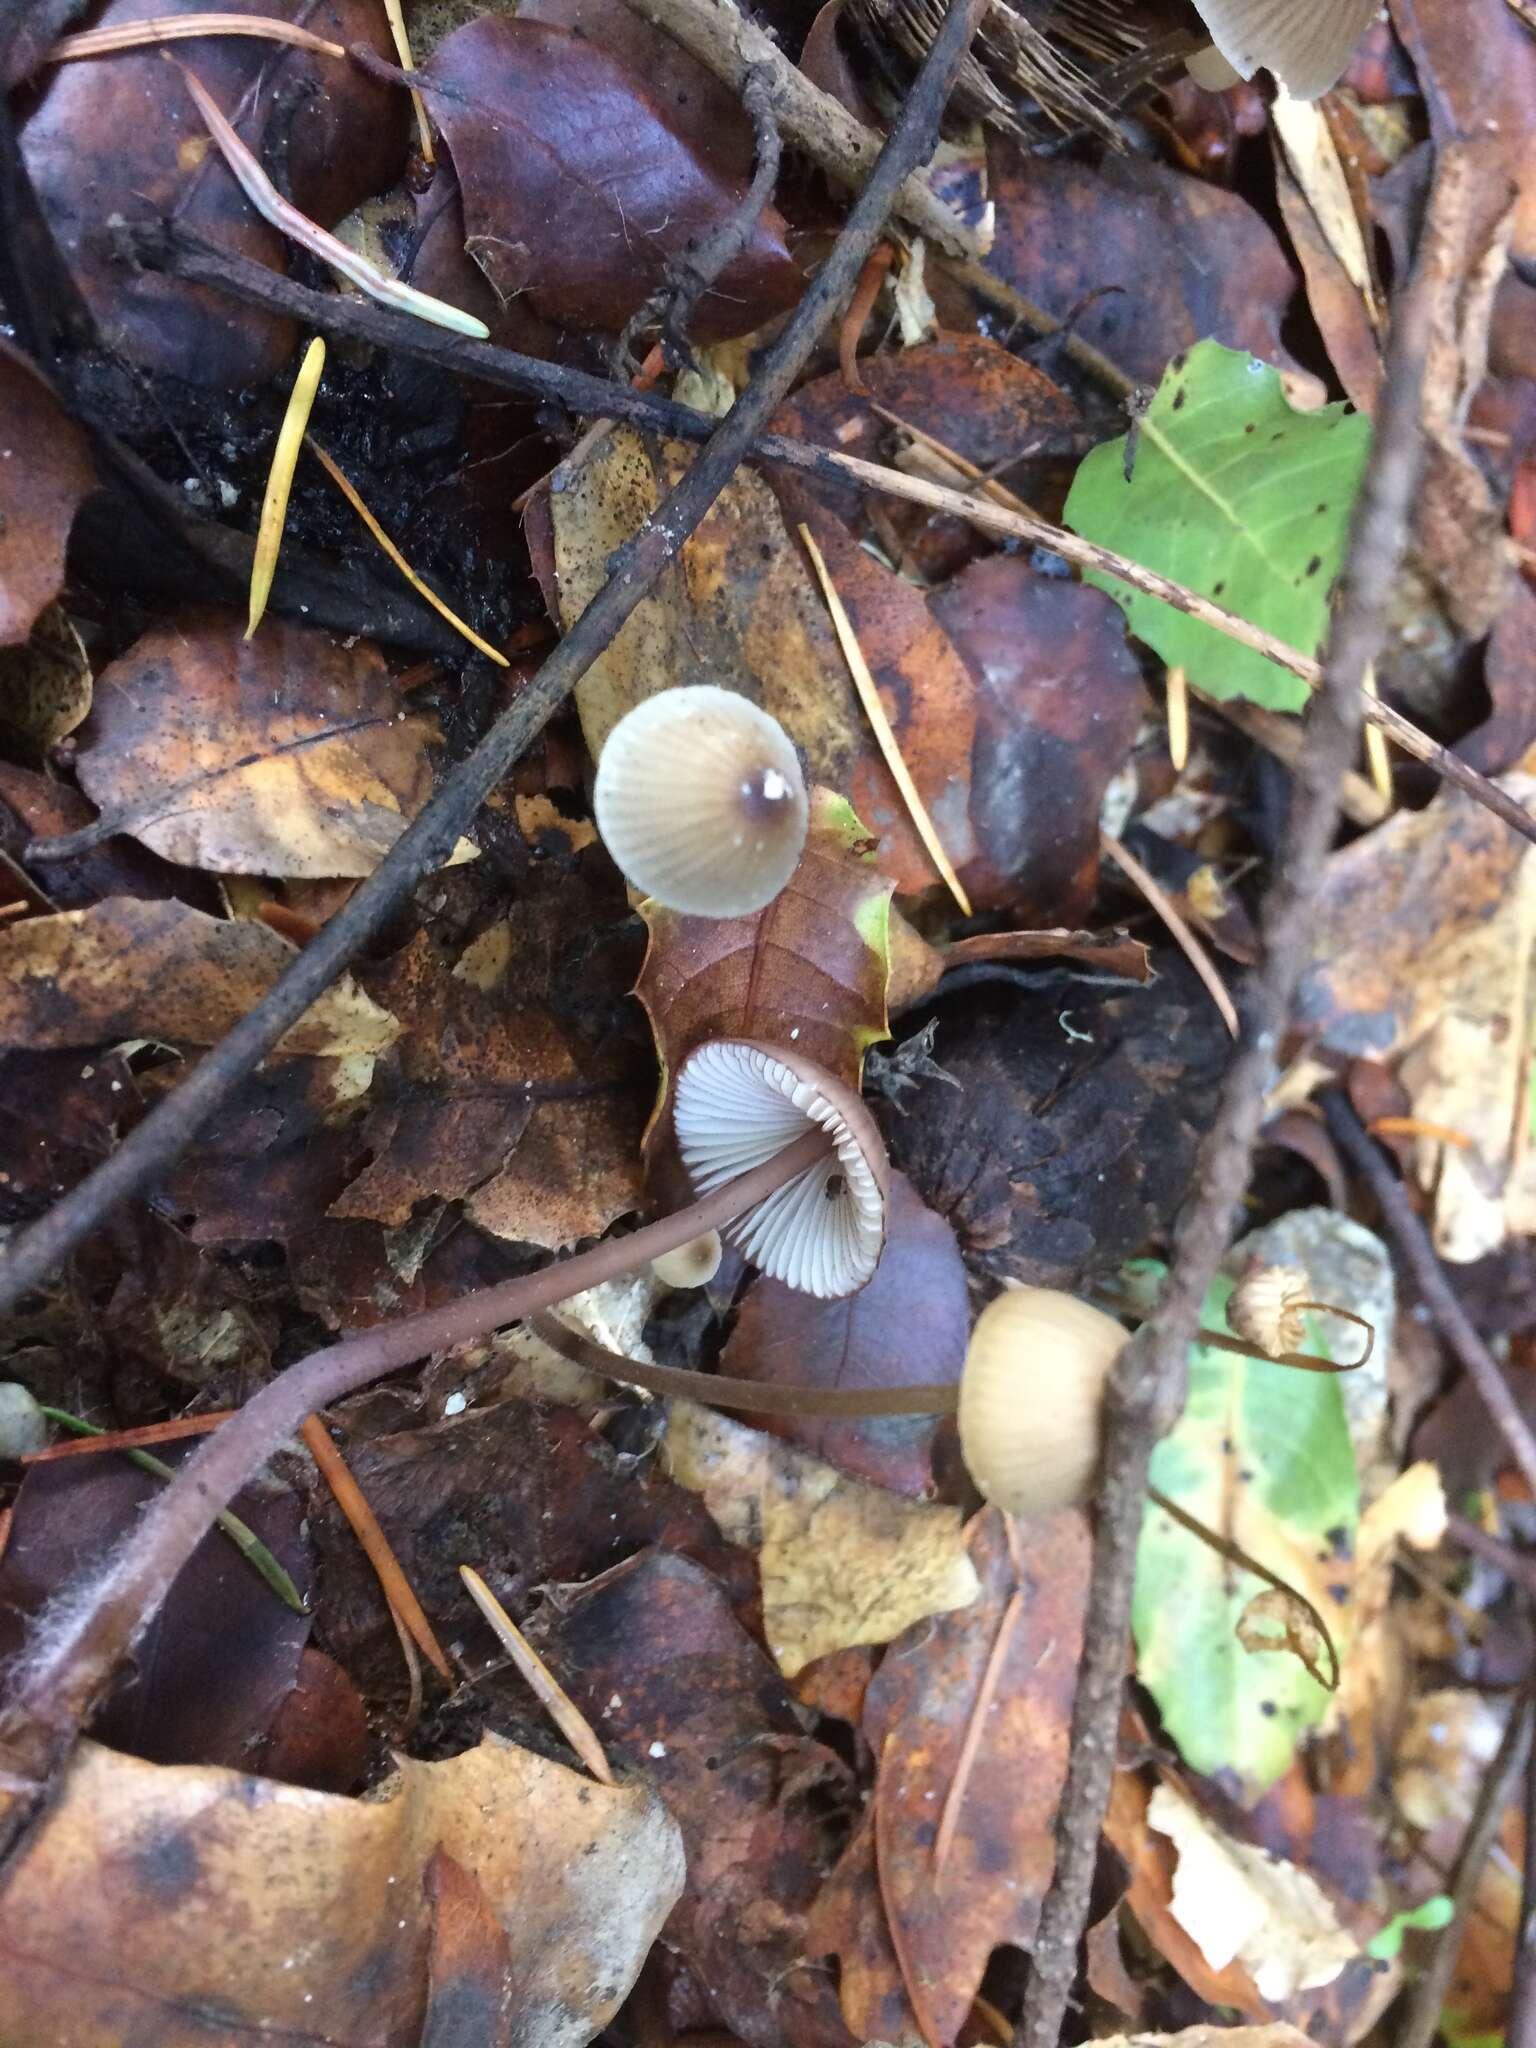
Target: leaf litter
pixel 837 1697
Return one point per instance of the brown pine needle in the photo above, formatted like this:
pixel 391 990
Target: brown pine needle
pixel 365 1527
pixel 285 456
pixel 1183 937
pixel 989 486
pixel 1377 759
pixel 874 710
pixel 129 1439
pixel 975 1729
pixel 1178 718
pixel 401 34
pixel 556 1702
pixel 349 491
pixel 175 28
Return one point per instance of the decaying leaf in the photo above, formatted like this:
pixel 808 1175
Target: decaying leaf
pixel 809 969
pixel 1236 495
pixel 46 475
pixel 45 684
pixel 579 190
pixel 303 1917
pixel 1277 2036
pixel 1262 1455
pixel 907 1326
pixel 1275 1620
pixel 841 1562
pixel 740 608
pixel 130 969
pixel 1240 1904
pixel 289 754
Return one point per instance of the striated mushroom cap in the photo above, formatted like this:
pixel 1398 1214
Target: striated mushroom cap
pixel 1032 1398
pixel 736 1105
pixel 1305 43
pixel 693 1264
pixel 700 800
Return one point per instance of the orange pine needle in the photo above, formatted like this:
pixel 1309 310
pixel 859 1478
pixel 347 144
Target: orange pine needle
pixel 860 306
pixel 1417 1127
pixel 396 1586
pixel 129 1439
pixel 975 1729
pixel 556 1702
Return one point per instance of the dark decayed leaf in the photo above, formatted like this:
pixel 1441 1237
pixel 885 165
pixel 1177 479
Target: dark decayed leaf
pixel 46 473
pixel 577 188
pixel 120 136
pixel 908 1326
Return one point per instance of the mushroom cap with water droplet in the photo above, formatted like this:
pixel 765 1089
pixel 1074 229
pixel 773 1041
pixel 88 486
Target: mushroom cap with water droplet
pixel 701 802
pixel 1032 1398
pixel 738 1104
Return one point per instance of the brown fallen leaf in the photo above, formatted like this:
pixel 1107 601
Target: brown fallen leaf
pixel 48 472
pixel 579 191
pixel 304 1917
pixel 469 1969
pixel 129 969
pixel 809 969
pixel 739 608
pixel 121 136
pixel 909 1325
pixel 212 749
pixel 45 683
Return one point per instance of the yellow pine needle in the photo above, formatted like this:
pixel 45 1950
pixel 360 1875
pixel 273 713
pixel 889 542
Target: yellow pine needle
pixel 401 34
pixel 1183 937
pixel 1178 718
pixel 298 227
pixel 274 506
pixel 1377 759
pixel 874 710
pixel 175 28
pixel 561 1708
pixel 349 491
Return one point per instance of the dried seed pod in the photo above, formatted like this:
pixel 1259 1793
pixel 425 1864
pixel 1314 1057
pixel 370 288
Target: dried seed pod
pixel 693 1264
pixel 738 1104
pixel 1268 1307
pixel 1305 43
pixel 1032 1397
pixel 700 800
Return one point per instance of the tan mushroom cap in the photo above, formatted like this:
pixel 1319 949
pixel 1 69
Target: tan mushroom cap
pixel 738 1104
pixel 701 802
pixel 693 1264
pixel 1032 1398
pixel 1307 44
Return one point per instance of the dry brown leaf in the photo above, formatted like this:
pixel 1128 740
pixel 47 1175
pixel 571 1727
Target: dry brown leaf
pixel 45 684
pixel 305 1918
pixel 130 969
pixel 1277 2036
pixel 213 749
pixel 46 472
pixel 841 1562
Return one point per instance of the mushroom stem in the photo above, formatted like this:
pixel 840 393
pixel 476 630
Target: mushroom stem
pixel 1299 1361
pixel 96 1624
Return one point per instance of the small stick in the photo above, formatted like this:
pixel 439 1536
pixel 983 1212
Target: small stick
pixel 129 1439
pixel 1515 1564
pixel 1418 1254
pixel 556 1702
pixel 352 1501
pixel 173 28
pixel 285 457
pixel 874 711
pixel 1188 944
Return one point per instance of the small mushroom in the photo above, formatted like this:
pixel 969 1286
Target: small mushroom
pixel 700 800
pixel 1268 1307
pixel 693 1264
pixel 738 1103
pixel 1032 1397
pixel 1305 43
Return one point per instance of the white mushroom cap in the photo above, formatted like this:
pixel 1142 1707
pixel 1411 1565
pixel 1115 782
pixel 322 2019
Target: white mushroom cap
pixel 737 1105
pixel 1306 43
pixel 693 1264
pixel 700 800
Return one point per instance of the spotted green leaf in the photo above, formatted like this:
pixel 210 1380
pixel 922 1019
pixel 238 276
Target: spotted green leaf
pixel 1237 496
pixel 1262 1455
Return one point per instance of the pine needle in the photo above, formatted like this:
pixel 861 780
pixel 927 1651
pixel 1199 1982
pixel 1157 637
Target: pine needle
pixel 874 710
pixel 274 506
pixel 1178 718
pixel 1377 759
pixel 401 34
pixel 349 491
pixel 557 1703
pixel 175 28
pixel 1183 937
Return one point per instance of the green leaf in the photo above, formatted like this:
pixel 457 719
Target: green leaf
pixel 1238 497
pixel 1435 1913
pixel 1262 1455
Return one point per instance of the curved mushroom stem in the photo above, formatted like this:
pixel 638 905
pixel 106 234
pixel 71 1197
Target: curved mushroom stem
pixel 80 1642
pixel 1300 1361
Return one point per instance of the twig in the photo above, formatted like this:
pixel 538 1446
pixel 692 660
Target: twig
pixel 1418 1255
pixel 1516 1565
pixel 425 844
pixel 79 1644
pixel 1427 2005
pixel 1184 938
pixel 183 255
pixel 1147 1389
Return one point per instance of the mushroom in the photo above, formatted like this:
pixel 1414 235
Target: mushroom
pixel 738 1103
pixel 1031 1398
pixel 1268 1307
pixel 693 1264
pixel 1305 43
pixel 700 800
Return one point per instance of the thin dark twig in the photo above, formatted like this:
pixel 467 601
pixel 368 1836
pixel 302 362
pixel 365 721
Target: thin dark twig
pixel 1146 1391
pixel 1517 1565
pixel 1418 1255
pixel 426 843
pixel 1427 2004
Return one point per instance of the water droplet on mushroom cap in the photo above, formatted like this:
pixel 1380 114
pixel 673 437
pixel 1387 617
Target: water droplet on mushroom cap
pixel 700 800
